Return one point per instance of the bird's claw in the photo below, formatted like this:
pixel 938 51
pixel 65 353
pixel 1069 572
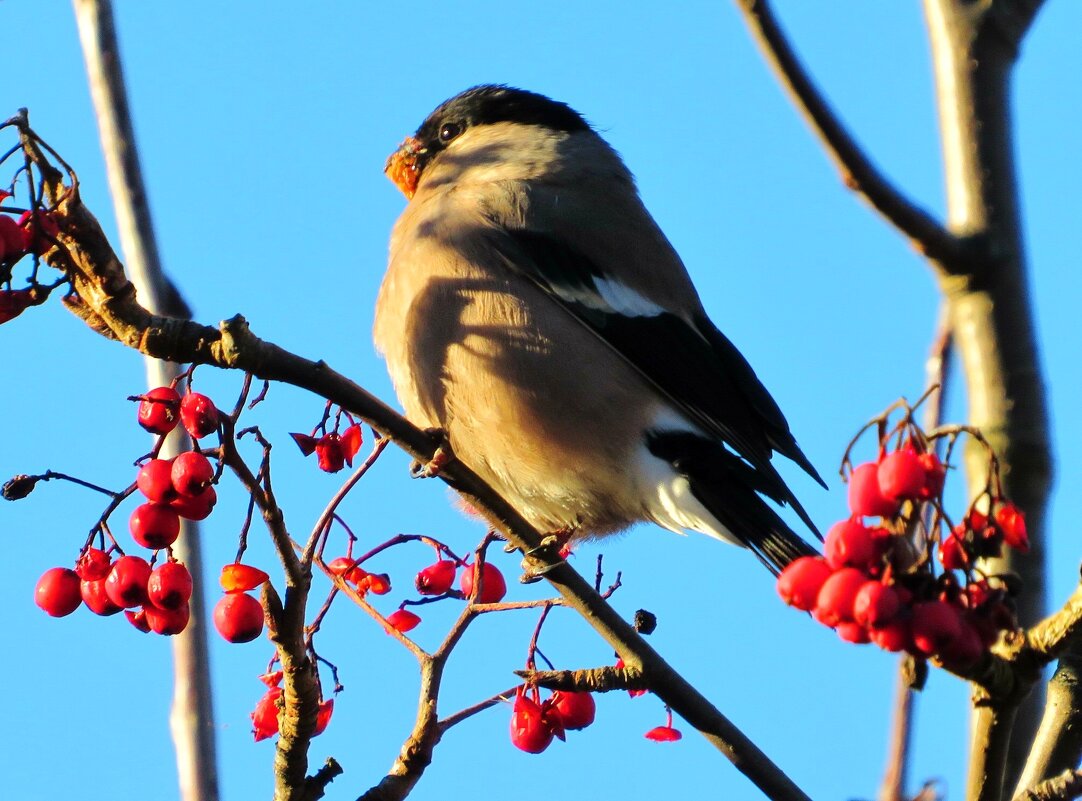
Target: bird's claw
pixel 440 459
pixel 544 557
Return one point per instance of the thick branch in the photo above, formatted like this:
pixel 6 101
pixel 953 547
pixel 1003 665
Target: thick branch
pixel 857 170
pixel 1058 744
pixel 991 314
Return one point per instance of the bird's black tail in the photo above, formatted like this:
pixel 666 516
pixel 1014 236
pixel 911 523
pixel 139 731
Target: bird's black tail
pixel 732 491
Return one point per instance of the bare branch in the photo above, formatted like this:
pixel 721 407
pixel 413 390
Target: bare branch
pixel 1063 787
pixel 858 172
pixel 593 680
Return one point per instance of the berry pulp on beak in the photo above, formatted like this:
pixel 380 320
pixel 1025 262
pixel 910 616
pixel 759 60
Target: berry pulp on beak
pixel 403 166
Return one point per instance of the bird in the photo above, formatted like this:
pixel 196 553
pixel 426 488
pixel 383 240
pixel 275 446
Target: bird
pixel 534 313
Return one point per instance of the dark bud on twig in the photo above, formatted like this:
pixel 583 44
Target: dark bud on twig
pixel 19 487
pixel 645 622
pixel 1012 583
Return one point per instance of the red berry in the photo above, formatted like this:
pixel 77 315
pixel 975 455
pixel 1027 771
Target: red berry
pixel 265 716
pixel 323 716
pixel 850 543
pixel 238 617
pixel 138 618
pixel 12 238
pixel 894 636
pixel 865 498
pixel 900 475
pixel 158 412
pixel 155 480
pixel 1012 523
pixel 935 475
pixel 341 565
pixel 58 592
pixel 935 625
pixel 236 577
pixel 346 567
pixel 376 583
pixel 835 602
pixel 952 550
pixel 799 583
pixel 154 525
pixel 403 620
pixel 875 605
pixel 198 415
pixel 965 649
pixel 853 632
pixel 197 507
pixel 330 454
pixel 94 564
pixel 192 473
pixel 663 734
pixel 436 579
pixel 127 581
pixel 167 621
pixel 169 586
pixel 493 586
pixel 529 731
pixel 96 598
pixel 41 230
pixel 575 709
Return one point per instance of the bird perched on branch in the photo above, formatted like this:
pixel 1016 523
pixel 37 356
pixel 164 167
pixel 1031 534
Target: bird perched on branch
pixel 533 310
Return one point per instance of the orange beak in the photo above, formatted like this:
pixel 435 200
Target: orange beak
pixel 403 167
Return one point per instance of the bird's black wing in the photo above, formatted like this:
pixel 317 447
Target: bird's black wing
pixel 688 360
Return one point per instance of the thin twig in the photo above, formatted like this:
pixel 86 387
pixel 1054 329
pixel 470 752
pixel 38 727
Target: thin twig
pixel 481 706
pixel 332 506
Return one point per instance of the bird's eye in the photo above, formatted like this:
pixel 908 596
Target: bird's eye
pixel 449 130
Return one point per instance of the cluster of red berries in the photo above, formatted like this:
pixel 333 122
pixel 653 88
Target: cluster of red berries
pixel 363 581
pixel 535 723
pixel 265 715
pixel 34 232
pixel 878 581
pixel 153 599
pixel 438 579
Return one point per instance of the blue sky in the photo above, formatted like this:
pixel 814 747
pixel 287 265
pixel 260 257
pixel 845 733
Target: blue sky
pixel 263 130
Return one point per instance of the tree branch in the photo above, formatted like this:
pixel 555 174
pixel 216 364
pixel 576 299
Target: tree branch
pixel 1063 787
pixel 858 172
pixel 1058 744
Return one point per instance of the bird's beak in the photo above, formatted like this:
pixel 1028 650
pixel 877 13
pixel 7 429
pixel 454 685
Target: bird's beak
pixel 404 167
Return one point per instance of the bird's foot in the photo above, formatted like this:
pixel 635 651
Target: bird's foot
pixel 440 459
pixel 546 556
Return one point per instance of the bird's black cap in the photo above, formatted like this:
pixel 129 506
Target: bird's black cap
pixel 488 104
